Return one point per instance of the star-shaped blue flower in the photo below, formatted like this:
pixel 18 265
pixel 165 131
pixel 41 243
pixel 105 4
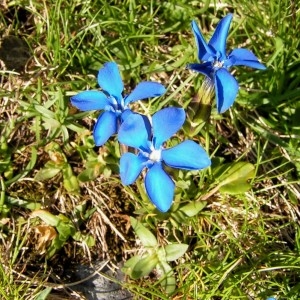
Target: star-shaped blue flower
pixel 112 101
pixel 216 62
pixel 136 131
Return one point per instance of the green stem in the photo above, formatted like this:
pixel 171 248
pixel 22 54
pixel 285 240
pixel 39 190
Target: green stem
pixel 207 143
pixel 2 195
pixel 142 191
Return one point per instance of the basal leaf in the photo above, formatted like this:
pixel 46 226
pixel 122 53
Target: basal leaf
pixel 174 251
pixel 144 266
pixel 193 208
pixel 168 281
pixel 235 188
pixel 65 230
pixel 46 216
pixel 46 173
pixel 86 175
pixel 130 263
pixel 144 234
pixel 235 179
pixel 70 180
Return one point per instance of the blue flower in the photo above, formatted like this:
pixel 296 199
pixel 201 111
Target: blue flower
pixel 112 101
pixel 216 62
pixel 136 132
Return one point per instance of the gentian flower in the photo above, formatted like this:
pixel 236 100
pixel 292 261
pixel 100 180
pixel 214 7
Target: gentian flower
pixel 216 62
pixel 136 132
pixel 112 101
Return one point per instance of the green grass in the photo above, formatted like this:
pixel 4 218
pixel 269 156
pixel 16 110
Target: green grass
pixel 241 246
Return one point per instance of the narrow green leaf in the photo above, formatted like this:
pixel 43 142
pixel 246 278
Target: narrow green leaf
pixel 46 217
pixel 28 168
pixel 43 295
pixel 23 203
pixel 44 111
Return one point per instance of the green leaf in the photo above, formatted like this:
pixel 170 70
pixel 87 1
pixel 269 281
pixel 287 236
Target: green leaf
pixel 130 263
pixel 44 111
pixel 235 188
pixel 56 244
pixel 144 234
pixel 235 179
pixel 71 184
pixel 42 295
pixel 87 238
pixel 70 180
pixel 46 173
pixel 174 251
pixel 23 203
pixel 28 168
pixel 88 174
pixel 144 266
pixel 51 124
pixel 46 217
pixel 193 208
pixel 168 281
pixel 65 230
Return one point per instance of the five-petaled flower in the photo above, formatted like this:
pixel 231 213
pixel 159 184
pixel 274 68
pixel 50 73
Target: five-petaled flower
pixel 112 101
pixel 216 62
pixel 136 132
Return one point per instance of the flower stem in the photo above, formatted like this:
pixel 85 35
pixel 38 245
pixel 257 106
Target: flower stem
pixel 2 195
pixel 142 191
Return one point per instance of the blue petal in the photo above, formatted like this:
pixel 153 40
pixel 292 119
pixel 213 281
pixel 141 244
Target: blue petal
pixel 105 127
pixel 187 155
pixel 127 112
pixel 90 100
pixel 205 68
pixel 133 132
pixel 145 90
pixel 110 80
pixel 204 52
pixel 165 123
pixel 218 40
pixel 160 187
pixel 131 166
pixel 226 89
pixel 243 57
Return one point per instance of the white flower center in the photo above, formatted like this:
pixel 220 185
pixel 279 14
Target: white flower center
pixel 155 155
pixel 218 64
